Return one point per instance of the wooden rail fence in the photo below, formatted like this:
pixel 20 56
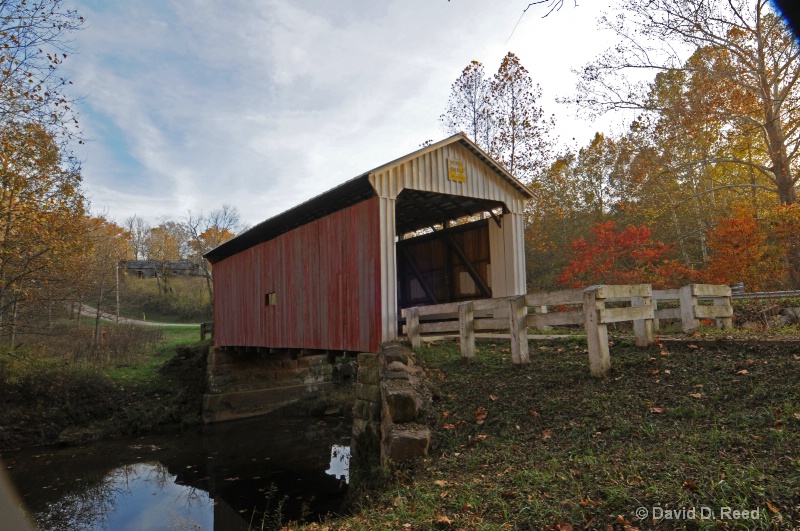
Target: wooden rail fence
pixel 636 303
pixel 691 309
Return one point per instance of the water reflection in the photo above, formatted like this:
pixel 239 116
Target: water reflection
pixel 135 497
pixel 262 473
pixel 340 462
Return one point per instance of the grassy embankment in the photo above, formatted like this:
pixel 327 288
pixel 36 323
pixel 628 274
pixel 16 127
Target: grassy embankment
pixel 64 386
pixel 547 446
pixel 186 300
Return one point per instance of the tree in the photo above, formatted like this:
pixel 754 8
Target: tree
pixel 33 45
pixel 552 5
pixel 576 191
pixel 741 252
pixel 41 213
pixel 625 257
pixel 748 54
pixel 595 170
pixel 107 246
pixel 784 222
pixel 469 106
pixel 520 142
pixel 163 244
pixel 553 218
pixel 209 232
pixel 136 232
pixel 502 116
pixel 42 234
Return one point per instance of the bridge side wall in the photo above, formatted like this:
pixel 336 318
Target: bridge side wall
pixel 314 287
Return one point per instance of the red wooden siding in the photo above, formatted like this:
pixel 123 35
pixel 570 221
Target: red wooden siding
pixel 326 277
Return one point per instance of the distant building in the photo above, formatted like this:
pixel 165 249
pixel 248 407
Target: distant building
pixel 148 268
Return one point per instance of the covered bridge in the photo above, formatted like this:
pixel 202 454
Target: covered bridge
pixel 441 224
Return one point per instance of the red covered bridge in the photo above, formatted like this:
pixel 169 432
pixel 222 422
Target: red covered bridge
pixel 441 224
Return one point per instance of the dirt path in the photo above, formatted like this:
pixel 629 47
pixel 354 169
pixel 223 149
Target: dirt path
pixel 105 316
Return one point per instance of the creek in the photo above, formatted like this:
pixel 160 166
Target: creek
pixel 257 473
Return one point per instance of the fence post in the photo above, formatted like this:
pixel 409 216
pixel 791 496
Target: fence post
pixel 466 328
pixel 412 327
pixel 518 330
pixel 724 322
pixel 656 322
pixel 689 320
pixel 596 332
pixel 642 328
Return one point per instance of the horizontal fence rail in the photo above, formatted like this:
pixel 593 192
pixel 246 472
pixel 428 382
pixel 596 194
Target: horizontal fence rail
pixel 767 295
pixel 631 303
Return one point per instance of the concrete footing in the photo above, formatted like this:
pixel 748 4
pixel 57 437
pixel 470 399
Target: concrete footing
pixel 242 383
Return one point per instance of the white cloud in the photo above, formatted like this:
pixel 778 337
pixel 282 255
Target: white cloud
pixel 192 104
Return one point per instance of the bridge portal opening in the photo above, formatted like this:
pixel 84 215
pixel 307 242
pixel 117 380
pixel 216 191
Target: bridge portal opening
pixel 445 247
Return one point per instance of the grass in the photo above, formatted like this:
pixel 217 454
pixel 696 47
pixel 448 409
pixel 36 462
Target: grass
pixel 186 302
pixel 147 370
pixel 671 427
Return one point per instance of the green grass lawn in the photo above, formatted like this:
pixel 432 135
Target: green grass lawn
pixel 147 369
pixel 549 447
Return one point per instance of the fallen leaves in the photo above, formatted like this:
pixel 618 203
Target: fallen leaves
pixel 590 503
pixel 480 415
pixel 772 508
pixel 690 485
pixel 443 521
pixel 626 525
pixel 656 410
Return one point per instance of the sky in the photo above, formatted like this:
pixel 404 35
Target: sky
pixel 191 104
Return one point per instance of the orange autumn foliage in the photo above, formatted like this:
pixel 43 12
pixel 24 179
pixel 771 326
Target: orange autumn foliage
pixel 742 252
pixel 784 222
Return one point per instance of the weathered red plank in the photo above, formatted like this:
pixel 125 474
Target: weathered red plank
pixel 327 279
